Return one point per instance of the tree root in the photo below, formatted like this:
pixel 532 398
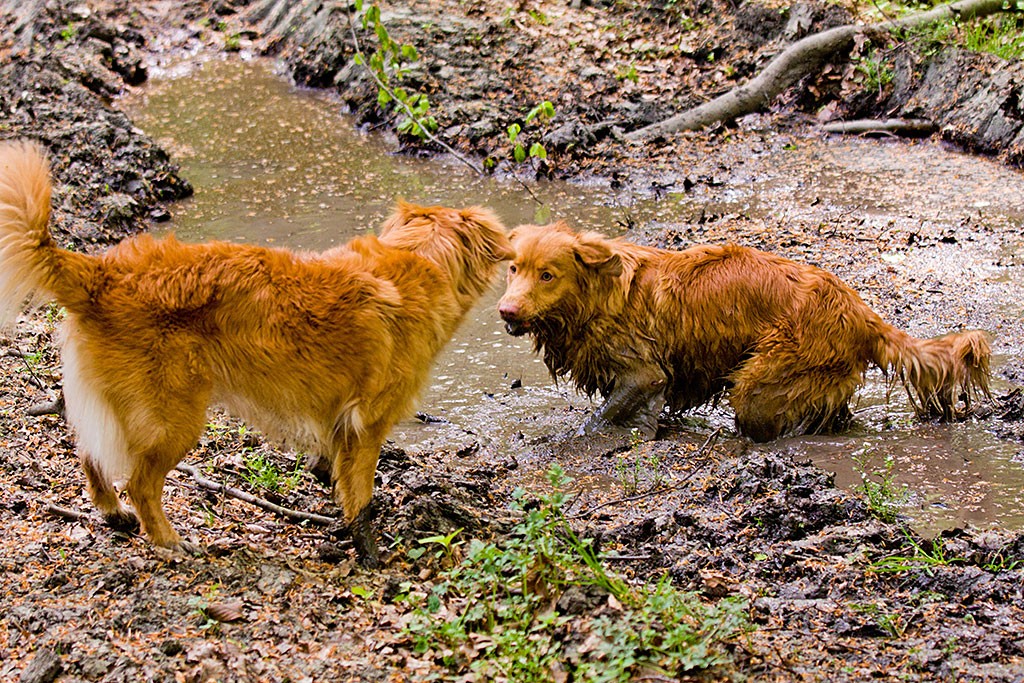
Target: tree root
pixel 798 60
pixel 904 127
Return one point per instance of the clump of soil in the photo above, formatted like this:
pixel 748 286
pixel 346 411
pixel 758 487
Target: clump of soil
pixel 111 178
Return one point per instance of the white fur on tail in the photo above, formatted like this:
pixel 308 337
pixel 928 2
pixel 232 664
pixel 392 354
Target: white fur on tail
pixel 24 213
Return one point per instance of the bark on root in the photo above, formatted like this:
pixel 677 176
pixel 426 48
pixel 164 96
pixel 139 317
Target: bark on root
pixel 798 60
pixel 902 127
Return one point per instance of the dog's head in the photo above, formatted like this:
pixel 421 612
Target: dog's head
pixel 468 244
pixel 555 275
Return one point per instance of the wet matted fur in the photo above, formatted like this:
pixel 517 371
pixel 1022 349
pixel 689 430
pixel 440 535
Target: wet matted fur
pixel 788 343
pixel 324 350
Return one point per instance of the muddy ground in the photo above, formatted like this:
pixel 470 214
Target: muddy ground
pixel 275 600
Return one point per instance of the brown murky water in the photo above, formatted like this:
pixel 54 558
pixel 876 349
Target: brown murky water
pixel 279 165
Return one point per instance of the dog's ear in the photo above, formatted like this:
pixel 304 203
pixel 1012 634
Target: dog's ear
pixel 481 230
pixel 593 251
pixel 403 213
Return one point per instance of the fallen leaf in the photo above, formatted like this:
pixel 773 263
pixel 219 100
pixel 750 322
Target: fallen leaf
pixel 225 612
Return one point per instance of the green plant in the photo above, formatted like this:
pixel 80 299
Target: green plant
pixel 539 17
pixel 884 497
pixel 54 314
pixel 628 73
pixel 497 614
pixel 262 473
pixel 687 24
pixel 1002 564
pixel 634 468
pixel 541 113
pixel 387 65
pixel 447 546
pixel 1002 36
pixel 200 605
pixel 892 623
pixel 926 559
pixel 32 359
pixel 69 32
pixel 876 72
pixel 885 9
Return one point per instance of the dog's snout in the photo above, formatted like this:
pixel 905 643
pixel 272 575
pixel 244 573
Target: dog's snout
pixel 508 311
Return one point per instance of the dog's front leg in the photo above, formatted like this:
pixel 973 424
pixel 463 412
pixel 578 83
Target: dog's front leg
pixel 353 474
pixel 634 403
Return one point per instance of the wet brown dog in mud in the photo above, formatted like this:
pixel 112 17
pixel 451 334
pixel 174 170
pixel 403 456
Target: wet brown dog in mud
pixel 787 343
pixel 325 350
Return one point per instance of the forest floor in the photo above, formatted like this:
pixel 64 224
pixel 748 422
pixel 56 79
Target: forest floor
pixel 825 588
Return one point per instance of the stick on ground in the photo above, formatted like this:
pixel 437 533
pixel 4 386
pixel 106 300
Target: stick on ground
pixel 294 515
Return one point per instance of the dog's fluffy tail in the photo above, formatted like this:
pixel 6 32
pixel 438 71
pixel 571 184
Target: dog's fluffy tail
pixel 939 372
pixel 32 267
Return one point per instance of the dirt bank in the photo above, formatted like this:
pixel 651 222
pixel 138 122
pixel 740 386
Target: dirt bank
pixel 831 591
pixel 610 68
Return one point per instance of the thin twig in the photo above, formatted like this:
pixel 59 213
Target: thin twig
pixel 383 86
pixel 700 452
pixel 295 515
pixel 430 136
pixel 28 367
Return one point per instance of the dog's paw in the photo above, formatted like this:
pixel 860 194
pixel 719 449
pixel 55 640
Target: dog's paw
pixel 182 550
pixel 191 549
pixel 370 560
pixel 122 520
pixel 365 539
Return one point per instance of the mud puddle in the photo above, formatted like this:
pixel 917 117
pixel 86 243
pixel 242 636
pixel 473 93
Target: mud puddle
pixel 280 165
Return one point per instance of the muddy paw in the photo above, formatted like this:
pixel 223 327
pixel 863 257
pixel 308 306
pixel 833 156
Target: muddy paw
pixel 122 520
pixel 365 539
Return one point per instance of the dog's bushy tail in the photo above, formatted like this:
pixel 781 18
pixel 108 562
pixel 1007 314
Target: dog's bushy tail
pixel 938 373
pixel 32 267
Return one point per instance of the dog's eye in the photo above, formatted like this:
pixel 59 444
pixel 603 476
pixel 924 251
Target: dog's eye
pixel 512 268
pixel 546 276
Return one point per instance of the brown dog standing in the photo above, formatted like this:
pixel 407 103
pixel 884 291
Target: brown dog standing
pixel 789 343
pixel 326 351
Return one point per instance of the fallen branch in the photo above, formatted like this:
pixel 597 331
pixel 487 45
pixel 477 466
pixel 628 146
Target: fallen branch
pixel 904 127
pixel 73 515
pixel 798 60
pixel 294 515
pixel 55 407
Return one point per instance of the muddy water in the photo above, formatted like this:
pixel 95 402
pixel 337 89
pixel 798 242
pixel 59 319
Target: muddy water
pixel 282 166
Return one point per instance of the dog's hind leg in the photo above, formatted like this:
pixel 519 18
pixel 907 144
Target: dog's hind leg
pixel 780 392
pixel 168 438
pixel 104 496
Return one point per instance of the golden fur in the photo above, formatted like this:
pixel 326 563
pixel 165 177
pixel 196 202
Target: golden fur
pixel 788 342
pixel 326 350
